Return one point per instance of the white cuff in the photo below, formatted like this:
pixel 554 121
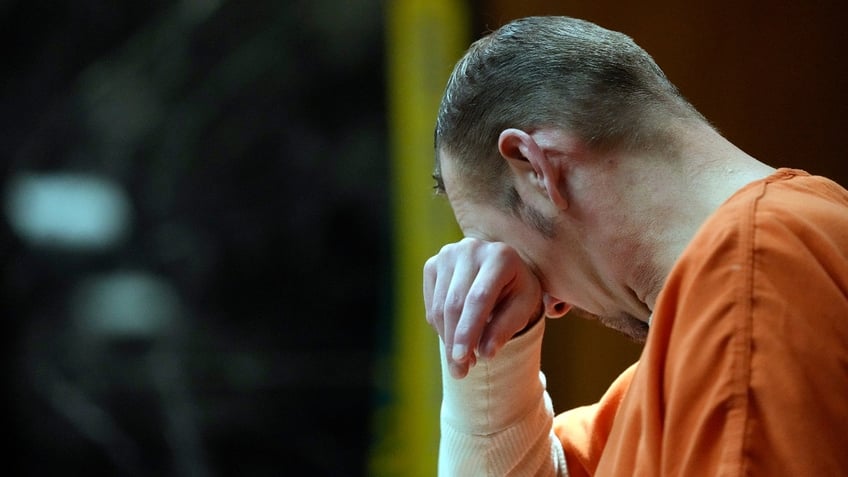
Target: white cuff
pixel 497 392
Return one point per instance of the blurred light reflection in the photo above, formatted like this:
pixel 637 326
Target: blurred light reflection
pixel 67 210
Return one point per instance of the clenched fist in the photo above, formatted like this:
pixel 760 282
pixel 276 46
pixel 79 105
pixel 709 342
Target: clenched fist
pixel 478 295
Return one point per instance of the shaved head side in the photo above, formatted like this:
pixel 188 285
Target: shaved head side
pixel 552 72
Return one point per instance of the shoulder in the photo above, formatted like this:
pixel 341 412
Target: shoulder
pixel 797 329
pixel 751 325
pixel 790 215
pixel 800 238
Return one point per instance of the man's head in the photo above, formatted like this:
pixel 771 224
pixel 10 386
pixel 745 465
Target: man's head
pixel 554 72
pixel 536 132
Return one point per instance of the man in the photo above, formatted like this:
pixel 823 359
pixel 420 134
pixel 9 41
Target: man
pixel 582 178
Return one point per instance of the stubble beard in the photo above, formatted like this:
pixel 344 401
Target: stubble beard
pixel 624 323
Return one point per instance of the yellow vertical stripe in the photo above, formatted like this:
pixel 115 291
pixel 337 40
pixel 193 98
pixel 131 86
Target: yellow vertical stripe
pixel 424 39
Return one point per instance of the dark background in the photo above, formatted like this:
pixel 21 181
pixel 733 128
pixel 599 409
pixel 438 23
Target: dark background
pixel 249 140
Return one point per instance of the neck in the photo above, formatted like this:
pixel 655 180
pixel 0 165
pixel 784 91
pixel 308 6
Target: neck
pixel 705 173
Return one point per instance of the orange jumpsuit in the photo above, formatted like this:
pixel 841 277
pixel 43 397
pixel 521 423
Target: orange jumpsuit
pixel 745 371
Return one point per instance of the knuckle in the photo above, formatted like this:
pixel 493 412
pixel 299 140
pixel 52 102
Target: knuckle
pixel 502 251
pixel 469 244
pixel 430 266
pixel 454 305
pixel 437 311
pixel 447 249
pixel 477 297
pixel 434 316
pixel 430 263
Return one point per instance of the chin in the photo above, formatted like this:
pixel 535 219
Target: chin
pixel 627 324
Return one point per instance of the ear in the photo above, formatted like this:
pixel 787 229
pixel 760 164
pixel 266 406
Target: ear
pixel 528 159
pixel 554 307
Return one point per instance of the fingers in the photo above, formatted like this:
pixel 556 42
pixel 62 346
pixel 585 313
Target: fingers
pixel 437 279
pixel 477 295
pixel 434 293
pixel 441 311
pixel 501 330
pixel 463 272
pixel 493 277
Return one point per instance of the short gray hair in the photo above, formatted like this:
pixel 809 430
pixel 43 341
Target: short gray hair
pixel 552 72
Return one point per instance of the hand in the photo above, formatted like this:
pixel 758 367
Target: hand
pixel 478 295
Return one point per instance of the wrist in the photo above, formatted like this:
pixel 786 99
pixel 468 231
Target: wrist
pixel 496 391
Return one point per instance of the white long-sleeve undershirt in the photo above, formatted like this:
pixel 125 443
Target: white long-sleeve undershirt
pixel 497 421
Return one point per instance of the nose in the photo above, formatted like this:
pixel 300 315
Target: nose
pixel 554 307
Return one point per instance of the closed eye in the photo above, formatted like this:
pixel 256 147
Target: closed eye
pixel 439 186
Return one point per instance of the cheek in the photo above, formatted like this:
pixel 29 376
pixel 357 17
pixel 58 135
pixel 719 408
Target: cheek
pixel 558 281
pixel 575 283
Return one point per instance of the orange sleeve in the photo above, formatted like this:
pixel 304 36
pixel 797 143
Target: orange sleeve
pixel 753 375
pixel 583 431
pixel 798 397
